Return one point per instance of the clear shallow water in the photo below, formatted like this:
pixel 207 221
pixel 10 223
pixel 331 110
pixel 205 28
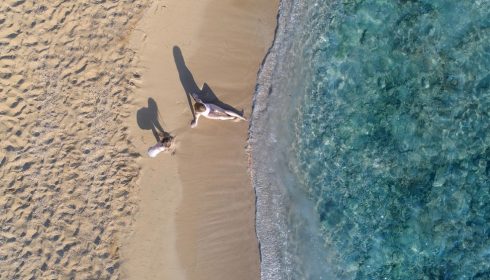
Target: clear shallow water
pixel 375 144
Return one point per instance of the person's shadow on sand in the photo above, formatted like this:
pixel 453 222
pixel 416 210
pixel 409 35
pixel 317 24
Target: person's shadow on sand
pixel 147 118
pixel 206 94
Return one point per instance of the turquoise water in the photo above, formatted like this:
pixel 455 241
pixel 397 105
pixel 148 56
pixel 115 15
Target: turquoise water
pixel 383 163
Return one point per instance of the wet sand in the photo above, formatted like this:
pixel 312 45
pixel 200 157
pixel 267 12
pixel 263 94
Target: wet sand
pixel 196 216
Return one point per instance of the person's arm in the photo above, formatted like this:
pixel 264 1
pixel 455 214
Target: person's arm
pixel 194 122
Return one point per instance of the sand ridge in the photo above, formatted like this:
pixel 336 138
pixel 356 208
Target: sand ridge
pixel 67 168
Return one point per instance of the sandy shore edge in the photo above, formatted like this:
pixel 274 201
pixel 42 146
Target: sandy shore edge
pixel 196 216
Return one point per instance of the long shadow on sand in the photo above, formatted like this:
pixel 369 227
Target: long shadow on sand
pixel 206 94
pixel 148 119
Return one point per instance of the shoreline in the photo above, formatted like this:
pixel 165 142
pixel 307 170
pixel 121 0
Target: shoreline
pixel 270 197
pixel 193 222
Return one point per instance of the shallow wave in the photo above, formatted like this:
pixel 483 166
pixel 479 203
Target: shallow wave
pixel 269 142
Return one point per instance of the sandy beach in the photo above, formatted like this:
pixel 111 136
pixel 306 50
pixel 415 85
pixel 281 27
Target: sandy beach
pixel 196 218
pixel 85 86
pixel 68 170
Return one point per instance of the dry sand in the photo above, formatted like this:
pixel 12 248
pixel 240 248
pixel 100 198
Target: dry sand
pixel 67 169
pixel 196 208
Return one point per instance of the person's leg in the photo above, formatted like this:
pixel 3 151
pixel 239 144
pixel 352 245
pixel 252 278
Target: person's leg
pixel 235 115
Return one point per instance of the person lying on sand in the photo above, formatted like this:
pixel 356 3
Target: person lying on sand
pixel 212 111
pixel 164 145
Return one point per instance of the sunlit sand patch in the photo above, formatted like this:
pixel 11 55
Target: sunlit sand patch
pixel 67 168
